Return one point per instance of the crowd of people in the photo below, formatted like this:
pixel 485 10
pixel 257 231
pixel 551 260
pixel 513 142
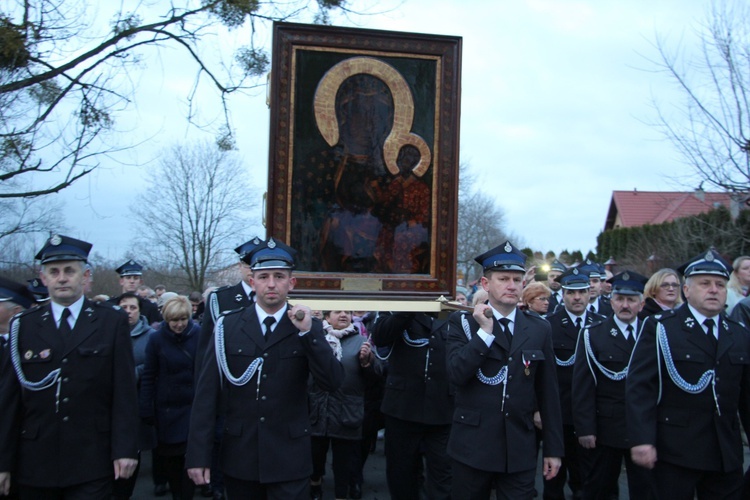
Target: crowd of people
pixel 237 393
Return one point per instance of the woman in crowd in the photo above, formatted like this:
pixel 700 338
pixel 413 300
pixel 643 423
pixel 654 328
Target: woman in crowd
pixel 739 281
pixel 167 390
pixel 462 295
pixel 662 293
pixel 336 418
pixel 535 298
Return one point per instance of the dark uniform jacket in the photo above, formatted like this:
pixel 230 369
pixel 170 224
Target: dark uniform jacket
pixel 71 438
pixel 686 429
pixel 605 307
pixel 564 341
pixel 493 426
pixel 416 388
pixel 599 402
pixel 267 426
pixel 228 298
pixel 554 303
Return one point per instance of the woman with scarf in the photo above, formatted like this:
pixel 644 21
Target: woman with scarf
pixel 167 390
pixel 336 417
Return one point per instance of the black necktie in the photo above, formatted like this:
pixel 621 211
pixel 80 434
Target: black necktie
pixel 270 320
pixel 504 322
pixel 64 327
pixel 592 309
pixel 631 335
pixel 710 331
pixel 579 322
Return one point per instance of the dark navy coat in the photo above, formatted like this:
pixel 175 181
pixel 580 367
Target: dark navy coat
pixel 686 429
pixel 417 387
pixel 71 432
pixel 267 424
pixel 167 381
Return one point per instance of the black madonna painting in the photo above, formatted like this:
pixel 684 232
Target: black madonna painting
pixel 364 158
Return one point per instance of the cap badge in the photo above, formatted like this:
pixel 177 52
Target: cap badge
pixel 588 261
pixel 55 240
pixel 626 277
pixel 271 243
pixel 131 263
pixel 709 256
pixel 256 241
pixel 575 271
pixel 35 282
pixel 508 247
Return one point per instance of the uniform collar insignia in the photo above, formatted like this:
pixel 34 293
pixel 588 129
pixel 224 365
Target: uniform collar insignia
pixel 724 324
pixel 565 321
pixel 238 298
pixel 689 322
pixel 614 332
pixel 45 353
pixel 89 310
pixel 657 316
pixel 28 355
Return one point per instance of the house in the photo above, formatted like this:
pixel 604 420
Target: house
pixel 638 208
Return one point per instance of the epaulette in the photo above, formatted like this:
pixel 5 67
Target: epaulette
pixel 532 315
pixel 26 312
pixel 223 288
pixel 231 311
pixel 107 305
pixel 732 321
pixel 662 315
pixel 595 323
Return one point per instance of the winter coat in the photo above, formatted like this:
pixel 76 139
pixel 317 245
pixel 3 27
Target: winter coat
pixel 340 414
pixel 167 388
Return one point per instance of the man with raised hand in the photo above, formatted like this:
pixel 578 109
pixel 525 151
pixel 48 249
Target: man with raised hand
pixel 501 361
pixel 256 371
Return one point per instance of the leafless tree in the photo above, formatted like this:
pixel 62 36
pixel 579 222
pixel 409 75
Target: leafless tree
pixel 481 224
pixel 196 209
pixel 711 128
pixel 63 80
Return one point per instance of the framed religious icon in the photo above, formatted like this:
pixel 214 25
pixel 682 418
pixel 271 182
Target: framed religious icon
pixel 363 173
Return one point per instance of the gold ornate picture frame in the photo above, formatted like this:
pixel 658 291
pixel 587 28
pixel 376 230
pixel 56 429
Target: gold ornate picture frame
pixel 363 173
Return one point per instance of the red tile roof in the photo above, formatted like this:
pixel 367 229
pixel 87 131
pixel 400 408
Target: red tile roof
pixel 636 208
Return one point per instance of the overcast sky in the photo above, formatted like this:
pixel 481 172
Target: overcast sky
pixel 556 112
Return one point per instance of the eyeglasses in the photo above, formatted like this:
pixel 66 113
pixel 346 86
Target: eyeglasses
pixel 669 285
pixel 543 299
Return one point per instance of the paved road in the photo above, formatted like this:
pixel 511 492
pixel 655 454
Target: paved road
pixel 374 488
